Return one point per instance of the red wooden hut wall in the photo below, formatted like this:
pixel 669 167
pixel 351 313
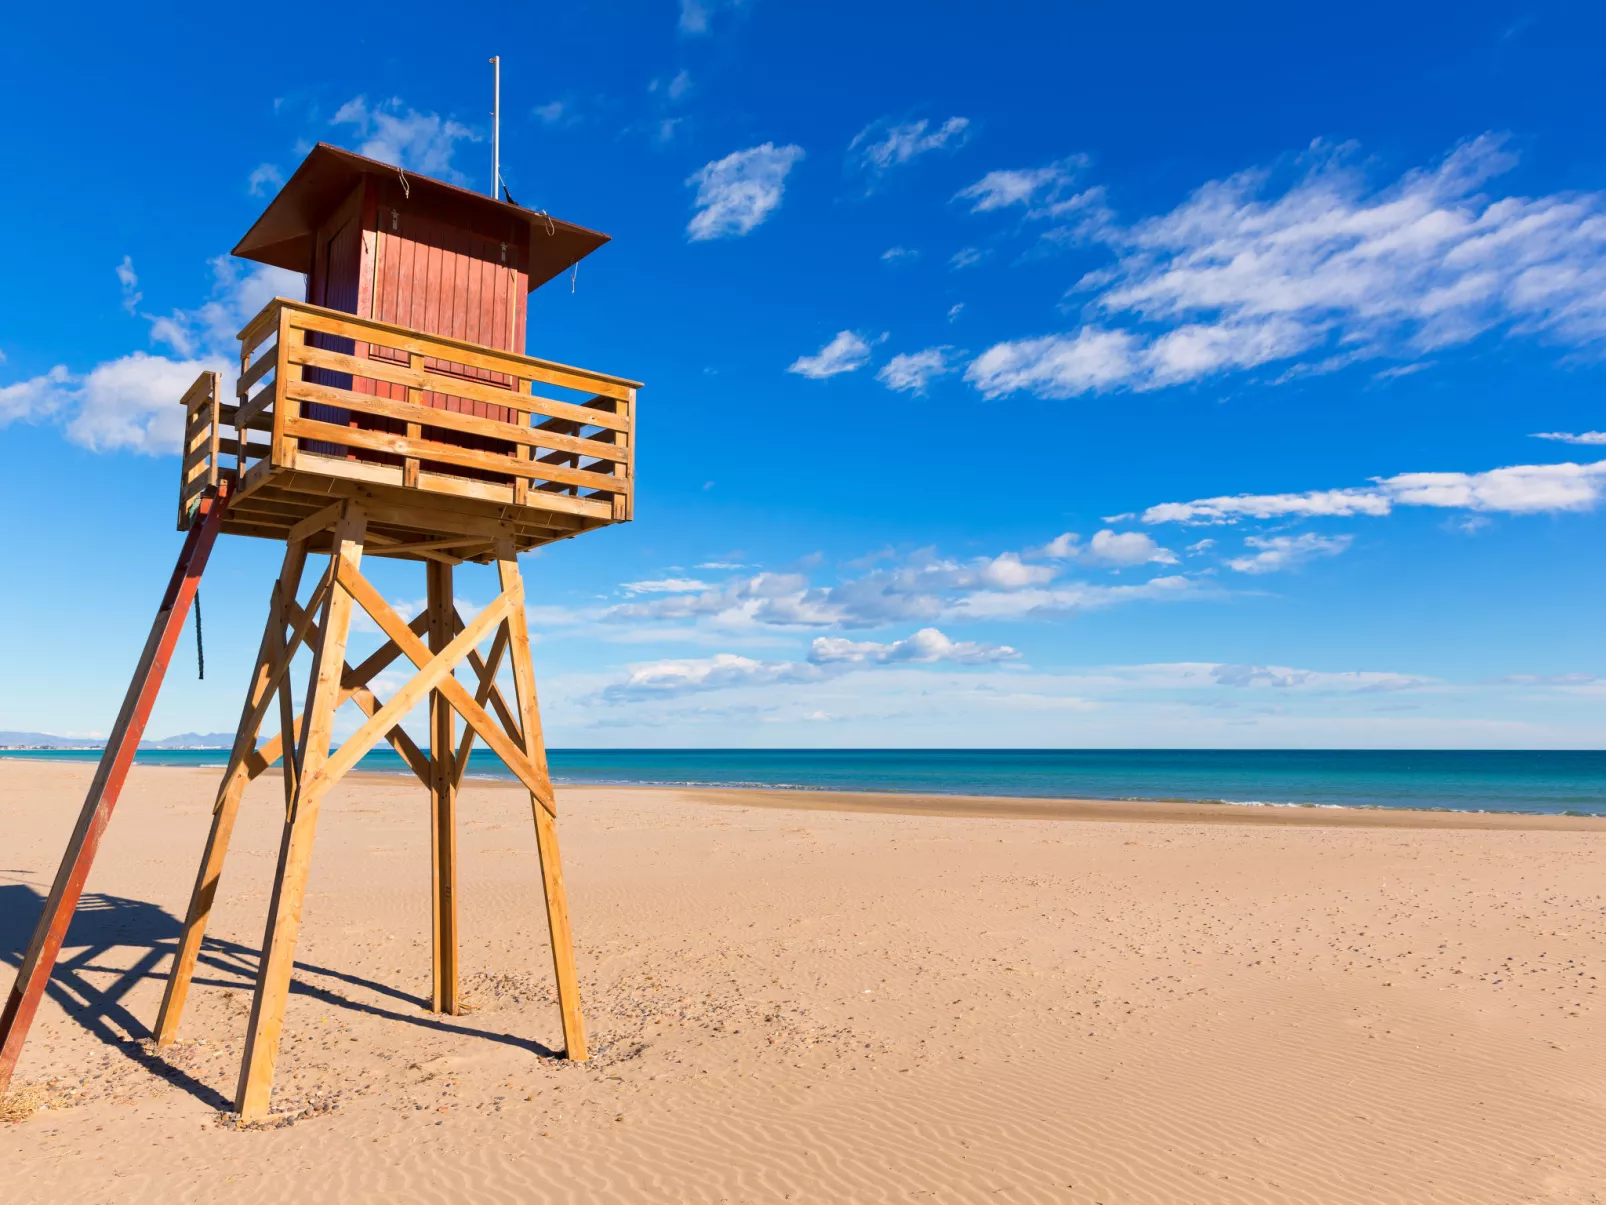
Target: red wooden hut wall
pixel 386 255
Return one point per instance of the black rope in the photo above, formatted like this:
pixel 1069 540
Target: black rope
pixel 200 649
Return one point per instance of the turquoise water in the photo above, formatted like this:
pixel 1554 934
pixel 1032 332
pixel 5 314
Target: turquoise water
pixel 1497 780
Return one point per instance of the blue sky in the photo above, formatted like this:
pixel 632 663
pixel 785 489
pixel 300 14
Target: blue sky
pixel 1022 375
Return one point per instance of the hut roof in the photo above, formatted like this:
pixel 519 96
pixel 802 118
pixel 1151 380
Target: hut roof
pixel 282 236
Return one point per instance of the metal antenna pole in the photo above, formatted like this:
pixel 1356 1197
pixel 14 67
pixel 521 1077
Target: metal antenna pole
pixel 496 127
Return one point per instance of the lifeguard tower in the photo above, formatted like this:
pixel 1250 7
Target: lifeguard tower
pixel 392 413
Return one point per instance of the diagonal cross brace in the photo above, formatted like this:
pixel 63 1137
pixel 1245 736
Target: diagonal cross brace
pixel 440 675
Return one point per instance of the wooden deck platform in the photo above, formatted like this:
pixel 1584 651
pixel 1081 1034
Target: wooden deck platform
pixel 446 442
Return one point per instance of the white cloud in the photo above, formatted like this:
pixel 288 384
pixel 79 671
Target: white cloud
pixel 131 403
pixel 954 310
pixel 38 398
pixel 925 647
pixel 1055 366
pixel 1007 571
pixel 1328 270
pixel 735 194
pixel 1040 189
pixel 1586 437
pixel 883 145
pixel 1284 552
pixel 829 657
pixel 898 255
pixel 675 677
pixel 846 352
pixel 1517 489
pixel 394 132
pixel 1282 677
pixel 665 585
pixel 967 257
pixel 911 372
pixel 923 588
pixel 1315 503
pixel 263 178
pixel 128 279
pixel 1128 548
pixel 1119 550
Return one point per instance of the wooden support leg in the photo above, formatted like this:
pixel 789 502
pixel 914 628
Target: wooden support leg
pixel 227 805
pixel 34 973
pixel 295 851
pixel 546 831
pixel 443 800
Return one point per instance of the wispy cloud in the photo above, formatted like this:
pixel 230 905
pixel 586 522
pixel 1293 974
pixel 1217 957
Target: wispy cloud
pixel 1584 437
pixel 1518 489
pixel 128 280
pixel 129 403
pixel 1276 553
pixel 1325 271
pixel 394 132
pixel 925 647
pixel 899 255
pixel 922 588
pixel 264 178
pixel 1040 191
pixel 967 257
pixel 885 144
pixel 846 352
pixel 829 657
pixel 737 193
pixel 912 372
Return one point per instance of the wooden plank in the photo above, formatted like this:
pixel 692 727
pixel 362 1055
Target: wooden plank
pixel 259 327
pixel 390 623
pixel 443 803
pixel 284 447
pixel 434 672
pixel 487 672
pixel 416 412
pixel 415 430
pixel 428 449
pixel 458 351
pixel 407 375
pixel 546 833
pixel 226 806
pixel 295 850
pixel 40 958
pixel 427 382
pixel 510 722
pixel 379 660
pixel 264 365
pixel 317 521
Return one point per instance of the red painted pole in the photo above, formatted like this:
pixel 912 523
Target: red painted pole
pixel 40 960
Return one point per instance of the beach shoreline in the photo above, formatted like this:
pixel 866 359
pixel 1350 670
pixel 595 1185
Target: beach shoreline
pixel 1016 807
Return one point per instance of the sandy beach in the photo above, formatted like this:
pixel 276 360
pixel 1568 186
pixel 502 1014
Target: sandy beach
pixel 822 998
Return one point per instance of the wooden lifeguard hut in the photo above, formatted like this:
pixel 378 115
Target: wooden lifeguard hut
pixel 391 413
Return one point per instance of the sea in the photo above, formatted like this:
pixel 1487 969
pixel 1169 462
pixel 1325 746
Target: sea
pixel 1570 782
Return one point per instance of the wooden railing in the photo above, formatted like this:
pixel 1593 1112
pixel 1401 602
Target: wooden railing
pixel 198 465
pixel 350 397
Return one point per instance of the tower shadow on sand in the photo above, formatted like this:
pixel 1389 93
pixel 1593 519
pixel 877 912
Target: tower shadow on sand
pixel 103 925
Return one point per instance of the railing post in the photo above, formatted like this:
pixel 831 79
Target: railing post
pixel 415 361
pixel 284 446
pixel 521 417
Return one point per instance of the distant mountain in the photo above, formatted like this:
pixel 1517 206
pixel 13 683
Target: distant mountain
pixel 192 740
pixel 45 740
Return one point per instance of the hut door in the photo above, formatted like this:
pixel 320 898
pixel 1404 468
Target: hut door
pixel 335 287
